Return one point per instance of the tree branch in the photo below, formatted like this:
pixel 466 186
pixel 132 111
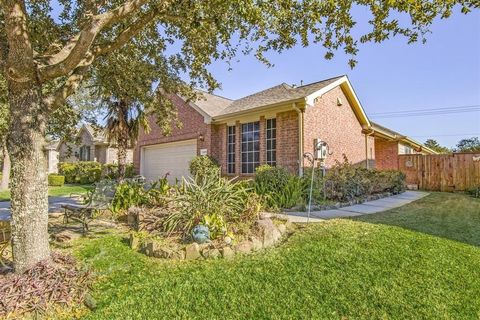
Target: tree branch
pixel 63 62
pixel 58 98
pixel 126 34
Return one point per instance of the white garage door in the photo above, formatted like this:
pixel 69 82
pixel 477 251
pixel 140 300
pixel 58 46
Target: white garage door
pixel 172 158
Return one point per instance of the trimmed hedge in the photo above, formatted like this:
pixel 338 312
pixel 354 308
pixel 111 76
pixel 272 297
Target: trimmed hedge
pixel 345 182
pixel 83 172
pixel 56 180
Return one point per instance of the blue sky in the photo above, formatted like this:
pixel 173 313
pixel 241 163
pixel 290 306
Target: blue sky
pixel 391 76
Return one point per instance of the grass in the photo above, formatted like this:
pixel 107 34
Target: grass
pixel 55 191
pixel 420 261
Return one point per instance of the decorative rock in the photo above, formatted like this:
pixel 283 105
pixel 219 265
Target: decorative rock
pixel 227 252
pixel 256 243
pixel 164 253
pixel 192 251
pixel 282 228
pixel 133 215
pixel 227 240
pixel 270 233
pixel 178 255
pixel 244 247
pixel 211 253
pixel 134 242
pixel 265 215
pixel 150 248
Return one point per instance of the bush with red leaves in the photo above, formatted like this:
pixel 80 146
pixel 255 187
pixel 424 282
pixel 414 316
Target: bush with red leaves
pixel 59 281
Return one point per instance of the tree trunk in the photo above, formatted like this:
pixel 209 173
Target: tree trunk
pixel 29 190
pixel 122 158
pixel 5 169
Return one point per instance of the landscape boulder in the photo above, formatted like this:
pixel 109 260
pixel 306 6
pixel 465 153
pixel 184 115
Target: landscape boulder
pixel 192 251
pixel 268 231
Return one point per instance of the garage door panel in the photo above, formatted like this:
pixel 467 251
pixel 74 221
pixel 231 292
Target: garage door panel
pixel 172 158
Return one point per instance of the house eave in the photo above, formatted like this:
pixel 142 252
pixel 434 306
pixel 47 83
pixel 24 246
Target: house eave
pixel 284 105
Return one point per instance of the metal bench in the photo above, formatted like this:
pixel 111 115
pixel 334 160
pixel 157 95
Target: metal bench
pixel 5 237
pixel 98 199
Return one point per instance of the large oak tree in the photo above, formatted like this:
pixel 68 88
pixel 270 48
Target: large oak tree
pixel 45 55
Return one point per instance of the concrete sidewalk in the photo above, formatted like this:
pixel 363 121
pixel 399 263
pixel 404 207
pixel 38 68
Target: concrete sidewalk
pixel 358 209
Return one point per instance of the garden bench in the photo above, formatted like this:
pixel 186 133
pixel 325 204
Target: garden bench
pixel 5 237
pixel 97 199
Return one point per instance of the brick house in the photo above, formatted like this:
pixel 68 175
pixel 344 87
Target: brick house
pixel 275 126
pixel 390 144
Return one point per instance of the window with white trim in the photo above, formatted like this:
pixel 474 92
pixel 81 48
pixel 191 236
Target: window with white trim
pixel 231 149
pixel 271 139
pixel 250 146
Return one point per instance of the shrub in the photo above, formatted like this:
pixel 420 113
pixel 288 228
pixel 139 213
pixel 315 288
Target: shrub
pixel 55 180
pixel 196 198
pixel 279 188
pixel 87 172
pixel 133 194
pixel 345 181
pixel 204 166
pixel 110 171
pixel 68 170
pixel 83 172
pixel 474 191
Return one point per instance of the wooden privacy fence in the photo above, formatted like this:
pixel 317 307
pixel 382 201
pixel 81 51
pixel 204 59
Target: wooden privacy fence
pixel 441 172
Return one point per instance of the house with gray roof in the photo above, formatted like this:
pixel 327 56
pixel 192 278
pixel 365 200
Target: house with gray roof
pixel 90 144
pixel 276 126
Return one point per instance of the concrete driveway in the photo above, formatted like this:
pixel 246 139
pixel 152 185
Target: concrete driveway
pixel 54 205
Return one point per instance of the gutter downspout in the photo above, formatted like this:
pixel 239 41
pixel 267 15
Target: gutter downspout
pixel 300 113
pixel 367 134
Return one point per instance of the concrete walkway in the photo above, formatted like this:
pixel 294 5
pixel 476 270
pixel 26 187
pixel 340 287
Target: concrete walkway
pixel 54 205
pixel 358 209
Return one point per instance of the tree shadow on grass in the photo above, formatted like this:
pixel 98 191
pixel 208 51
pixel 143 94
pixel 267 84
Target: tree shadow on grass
pixel 447 215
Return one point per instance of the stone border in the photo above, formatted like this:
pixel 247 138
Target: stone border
pixel 269 233
pixel 339 205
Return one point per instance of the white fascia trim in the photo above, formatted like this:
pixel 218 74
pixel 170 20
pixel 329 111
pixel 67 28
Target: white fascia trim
pixel 343 80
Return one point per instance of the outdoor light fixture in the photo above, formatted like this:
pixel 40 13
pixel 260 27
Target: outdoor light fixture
pixel 200 137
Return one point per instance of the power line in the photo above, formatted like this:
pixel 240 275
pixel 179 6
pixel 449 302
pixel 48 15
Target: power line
pixel 448 135
pixel 426 112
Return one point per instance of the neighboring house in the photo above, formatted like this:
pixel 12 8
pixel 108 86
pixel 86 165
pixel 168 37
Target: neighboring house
pixel 389 144
pixel 275 126
pixel 51 154
pixel 92 145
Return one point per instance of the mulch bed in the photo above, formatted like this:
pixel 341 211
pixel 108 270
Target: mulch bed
pixel 59 281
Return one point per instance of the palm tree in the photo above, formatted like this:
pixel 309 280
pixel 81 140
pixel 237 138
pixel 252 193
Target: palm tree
pixel 123 122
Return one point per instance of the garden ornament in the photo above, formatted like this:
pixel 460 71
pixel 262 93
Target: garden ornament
pixel 201 234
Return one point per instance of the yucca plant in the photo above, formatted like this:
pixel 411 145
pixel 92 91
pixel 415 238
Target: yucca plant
pixel 196 198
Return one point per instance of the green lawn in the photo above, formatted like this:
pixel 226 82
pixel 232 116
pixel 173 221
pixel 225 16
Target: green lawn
pixel 55 191
pixel 421 261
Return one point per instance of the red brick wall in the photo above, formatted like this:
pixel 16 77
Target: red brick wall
pixel 386 154
pixel 193 126
pixel 338 126
pixel 287 140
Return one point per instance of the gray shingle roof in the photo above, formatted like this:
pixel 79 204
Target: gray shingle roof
pixel 217 106
pixel 212 104
pixel 97 134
